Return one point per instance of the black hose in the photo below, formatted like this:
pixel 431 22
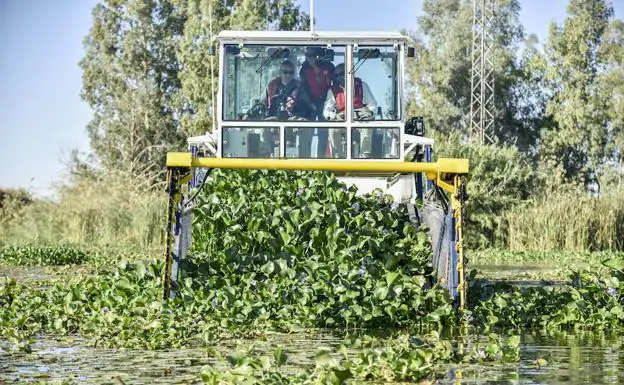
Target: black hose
pixel 201 186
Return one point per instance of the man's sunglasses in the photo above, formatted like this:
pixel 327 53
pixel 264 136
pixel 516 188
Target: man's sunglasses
pixel 286 72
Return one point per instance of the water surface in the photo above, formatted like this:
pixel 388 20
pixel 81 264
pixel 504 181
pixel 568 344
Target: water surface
pixel 570 359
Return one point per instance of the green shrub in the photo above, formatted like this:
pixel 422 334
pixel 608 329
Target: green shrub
pixel 499 179
pixel 14 197
pixel 38 255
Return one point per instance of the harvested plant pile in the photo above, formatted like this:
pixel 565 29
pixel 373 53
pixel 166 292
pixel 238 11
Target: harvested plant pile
pixel 301 249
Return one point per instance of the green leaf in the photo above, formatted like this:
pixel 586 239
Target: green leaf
pixel 268 268
pixel 124 284
pixel 280 356
pixel 513 341
pixel 338 376
pixel 285 236
pixel 500 302
pixel 391 276
pixel 381 292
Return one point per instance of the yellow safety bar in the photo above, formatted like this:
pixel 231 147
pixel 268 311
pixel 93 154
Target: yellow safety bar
pixel 446 173
pixel 433 170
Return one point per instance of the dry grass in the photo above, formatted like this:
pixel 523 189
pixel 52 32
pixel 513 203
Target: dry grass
pixel 568 221
pixel 109 210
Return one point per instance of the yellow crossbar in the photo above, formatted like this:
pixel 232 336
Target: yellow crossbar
pixel 432 169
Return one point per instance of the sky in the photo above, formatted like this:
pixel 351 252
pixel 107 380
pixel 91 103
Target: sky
pixel 42 116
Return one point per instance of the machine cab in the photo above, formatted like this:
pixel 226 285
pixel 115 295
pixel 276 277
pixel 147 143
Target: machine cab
pixel 303 95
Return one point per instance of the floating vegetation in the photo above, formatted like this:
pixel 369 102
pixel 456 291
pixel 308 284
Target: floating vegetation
pixel 298 252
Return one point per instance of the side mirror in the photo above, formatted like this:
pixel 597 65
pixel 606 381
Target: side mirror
pixel 415 126
pixel 321 53
pixel 328 54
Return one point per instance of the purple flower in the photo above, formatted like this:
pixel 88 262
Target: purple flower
pixel 215 302
pixel 394 206
pixel 104 310
pixel 380 195
pixel 612 292
pixel 362 270
pixel 299 192
pixel 356 207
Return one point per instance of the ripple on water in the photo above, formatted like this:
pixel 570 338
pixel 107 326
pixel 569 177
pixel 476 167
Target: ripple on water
pixel 587 358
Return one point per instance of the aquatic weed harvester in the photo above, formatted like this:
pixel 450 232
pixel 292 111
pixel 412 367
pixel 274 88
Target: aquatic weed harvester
pixel 267 118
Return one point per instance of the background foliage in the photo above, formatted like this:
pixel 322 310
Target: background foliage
pixel 559 134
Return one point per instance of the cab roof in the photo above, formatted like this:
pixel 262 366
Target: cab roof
pixel 307 37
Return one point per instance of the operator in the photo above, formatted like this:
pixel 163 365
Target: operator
pixel 364 105
pixel 315 75
pixel 281 93
pixel 280 102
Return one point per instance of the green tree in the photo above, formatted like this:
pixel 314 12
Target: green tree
pixel 577 140
pixel 147 72
pixel 611 82
pixel 130 78
pixel 440 76
pixel 531 97
pixel 205 19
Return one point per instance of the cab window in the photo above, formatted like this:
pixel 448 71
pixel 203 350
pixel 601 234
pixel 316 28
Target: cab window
pixel 376 83
pixel 266 82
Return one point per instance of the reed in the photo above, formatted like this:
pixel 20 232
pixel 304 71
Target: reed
pixel 111 209
pixel 568 221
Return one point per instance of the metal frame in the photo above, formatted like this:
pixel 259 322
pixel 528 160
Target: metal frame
pixel 482 73
pixel 304 38
pixel 445 173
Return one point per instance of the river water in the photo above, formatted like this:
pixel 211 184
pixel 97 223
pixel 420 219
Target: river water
pixel 569 359
pixel 588 358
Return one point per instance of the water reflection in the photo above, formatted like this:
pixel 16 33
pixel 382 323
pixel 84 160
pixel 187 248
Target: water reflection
pixel 588 358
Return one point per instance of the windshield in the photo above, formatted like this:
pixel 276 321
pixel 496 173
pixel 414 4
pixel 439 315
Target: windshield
pixel 376 82
pixel 264 82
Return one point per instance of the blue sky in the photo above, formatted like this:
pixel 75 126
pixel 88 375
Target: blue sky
pixel 42 116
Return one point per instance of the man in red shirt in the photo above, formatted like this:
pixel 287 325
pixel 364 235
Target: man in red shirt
pixel 281 92
pixel 280 102
pixel 315 76
pixel 364 106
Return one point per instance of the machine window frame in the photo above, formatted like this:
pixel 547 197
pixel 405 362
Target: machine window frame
pixel 386 129
pixel 397 88
pixel 341 49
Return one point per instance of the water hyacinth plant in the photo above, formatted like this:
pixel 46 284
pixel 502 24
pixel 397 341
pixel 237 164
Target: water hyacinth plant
pixel 303 250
